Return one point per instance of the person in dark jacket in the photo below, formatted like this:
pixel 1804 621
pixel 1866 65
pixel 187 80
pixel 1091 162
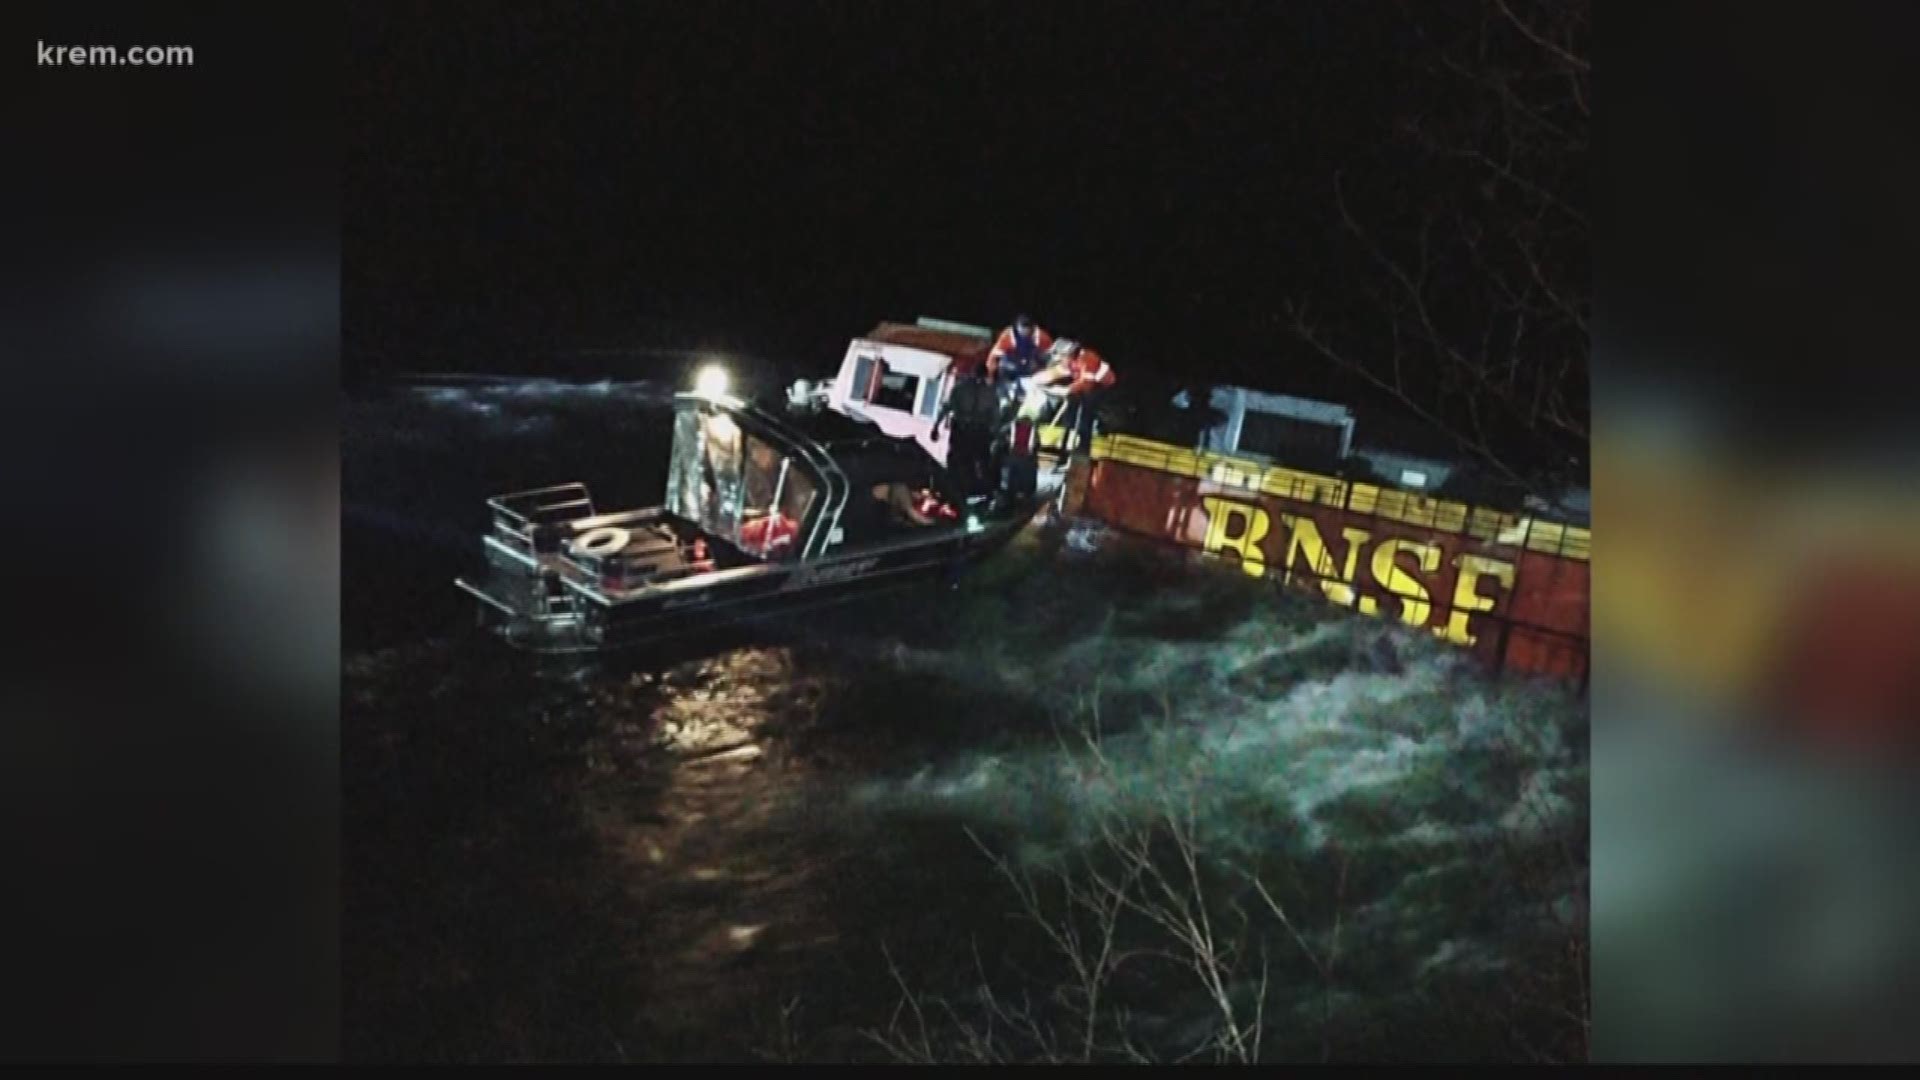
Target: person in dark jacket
pixel 972 414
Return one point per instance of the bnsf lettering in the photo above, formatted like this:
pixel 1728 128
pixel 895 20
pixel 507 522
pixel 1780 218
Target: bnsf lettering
pixel 1400 567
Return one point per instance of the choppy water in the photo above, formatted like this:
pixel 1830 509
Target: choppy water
pixel 753 845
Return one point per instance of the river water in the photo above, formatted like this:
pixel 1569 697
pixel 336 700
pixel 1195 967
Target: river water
pixel 760 845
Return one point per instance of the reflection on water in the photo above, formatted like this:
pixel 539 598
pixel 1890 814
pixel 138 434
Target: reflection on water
pixel 712 854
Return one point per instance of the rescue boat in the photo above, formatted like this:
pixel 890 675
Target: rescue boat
pixel 838 493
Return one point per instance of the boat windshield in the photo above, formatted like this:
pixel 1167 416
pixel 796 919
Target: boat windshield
pixel 737 486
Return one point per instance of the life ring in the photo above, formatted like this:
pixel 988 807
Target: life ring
pixel 601 542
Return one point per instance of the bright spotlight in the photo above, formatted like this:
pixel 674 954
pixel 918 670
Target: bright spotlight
pixel 712 380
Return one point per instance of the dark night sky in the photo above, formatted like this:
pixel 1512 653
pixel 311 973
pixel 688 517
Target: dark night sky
pixel 776 178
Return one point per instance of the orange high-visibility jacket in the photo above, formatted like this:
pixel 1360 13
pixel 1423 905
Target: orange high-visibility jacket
pixel 1090 371
pixel 1009 343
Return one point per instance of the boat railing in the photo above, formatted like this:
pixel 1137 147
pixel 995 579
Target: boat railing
pixel 619 520
pixel 533 523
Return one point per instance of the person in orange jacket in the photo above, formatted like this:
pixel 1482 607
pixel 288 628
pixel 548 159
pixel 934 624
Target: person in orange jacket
pixel 1088 377
pixel 1018 352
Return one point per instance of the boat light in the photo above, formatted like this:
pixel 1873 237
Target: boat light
pixel 712 380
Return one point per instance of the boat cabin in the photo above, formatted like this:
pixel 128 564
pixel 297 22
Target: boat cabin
pixel 744 487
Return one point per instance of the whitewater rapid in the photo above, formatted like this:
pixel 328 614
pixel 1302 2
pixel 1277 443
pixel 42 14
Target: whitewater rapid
pixel 713 835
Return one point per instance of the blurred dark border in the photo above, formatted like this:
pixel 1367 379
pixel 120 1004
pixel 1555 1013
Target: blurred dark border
pixel 168 766
pixel 1756 711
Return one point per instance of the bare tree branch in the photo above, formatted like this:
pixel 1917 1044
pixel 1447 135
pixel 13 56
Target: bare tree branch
pixel 1481 294
pixel 1576 63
